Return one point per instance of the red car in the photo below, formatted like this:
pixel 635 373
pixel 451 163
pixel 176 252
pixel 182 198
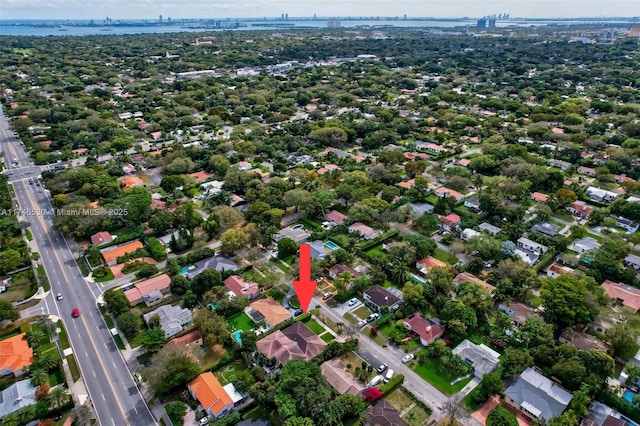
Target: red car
pixel 75 313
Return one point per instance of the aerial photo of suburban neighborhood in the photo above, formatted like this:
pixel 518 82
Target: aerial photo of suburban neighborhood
pixel 470 196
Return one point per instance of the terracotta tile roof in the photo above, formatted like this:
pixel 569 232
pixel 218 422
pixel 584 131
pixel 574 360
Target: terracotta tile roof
pixel 188 338
pixel 160 283
pixel 100 238
pixel 629 296
pixel 539 197
pixel 113 253
pixel 158 205
pixel 210 393
pixel 294 342
pixel 272 311
pixel 130 181
pixel 443 191
pixel 427 330
pixel 15 353
pixel 431 262
pixel 240 287
pixel 466 277
pixel 336 216
pixel 200 176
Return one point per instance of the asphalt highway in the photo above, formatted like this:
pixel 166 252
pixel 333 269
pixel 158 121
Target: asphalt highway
pixel 116 398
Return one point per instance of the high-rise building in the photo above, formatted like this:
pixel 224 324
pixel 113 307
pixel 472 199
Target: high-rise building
pixel 160 19
pixel 481 23
pixel 492 23
pixel 333 23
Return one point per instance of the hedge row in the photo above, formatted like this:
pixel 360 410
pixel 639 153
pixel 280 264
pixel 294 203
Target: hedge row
pixel 415 399
pixel 392 385
pixel 372 243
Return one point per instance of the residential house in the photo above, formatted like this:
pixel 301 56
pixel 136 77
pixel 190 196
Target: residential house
pixel 632 261
pixel 482 359
pixel 536 396
pixel 17 396
pixel 241 288
pixel 172 319
pixel 629 225
pixel 131 182
pixel 584 244
pixel 382 413
pixel 546 228
pixel 431 147
pixel 129 169
pixel 201 176
pixel 383 298
pixel 219 263
pixel 15 355
pixel 603 415
pixel 336 270
pixel 539 197
pixel 589 171
pixel 426 264
pixel 165 240
pixel 580 209
pixel 530 251
pixel 339 377
pixel 193 338
pixel 450 222
pixel 601 195
pixel 111 254
pixel 318 249
pixel 466 277
pixel 136 293
pixel 100 238
pixel 562 165
pixel 269 311
pixel 489 228
pixel 420 209
pixel 335 217
pixel 472 204
pixel 621 293
pixel 216 400
pixel 294 342
pixel 427 330
pixel 519 312
pixel 582 341
pixel 366 232
pixel 297 234
pixel 406 184
pixel 555 270
pixel 244 165
pixel 212 188
pixel 468 234
pixel 446 192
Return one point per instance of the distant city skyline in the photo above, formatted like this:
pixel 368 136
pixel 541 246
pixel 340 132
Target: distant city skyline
pixel 179 9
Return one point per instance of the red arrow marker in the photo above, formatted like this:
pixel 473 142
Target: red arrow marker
pixel 305 287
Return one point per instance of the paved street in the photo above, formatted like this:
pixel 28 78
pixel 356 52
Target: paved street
pixel 115 397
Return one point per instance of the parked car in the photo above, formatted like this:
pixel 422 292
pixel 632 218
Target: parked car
pixel 352 302
pixel 75 313
pixel 372 317
pixel 407 358
pixel 298 312
pixel 362 323
pixel 327 295
pixel 381 368
pixel 388 375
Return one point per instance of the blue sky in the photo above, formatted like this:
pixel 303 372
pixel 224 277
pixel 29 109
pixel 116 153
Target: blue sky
pixel 150 9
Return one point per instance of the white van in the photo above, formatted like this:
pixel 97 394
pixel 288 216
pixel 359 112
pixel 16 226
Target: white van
pixel 388 375
pixel 375 381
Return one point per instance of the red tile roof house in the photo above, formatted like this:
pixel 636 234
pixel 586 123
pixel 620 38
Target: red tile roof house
pixel 427 330
pixel 580 209
pixel 151 290
pixel 446 192
pixel 622 293
pixel 100 238
pixel 367 232
pixel 201 176
pixel 241 288
pixel 539 197
pixel 334 216
pixel 450 221
pixel 294 342
pixel 426 264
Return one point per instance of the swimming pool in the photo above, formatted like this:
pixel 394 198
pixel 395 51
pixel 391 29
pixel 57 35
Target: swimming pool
pixel 417 279
pixel 629 395
pixel 186 269
pixel 331 245
pixel 236 335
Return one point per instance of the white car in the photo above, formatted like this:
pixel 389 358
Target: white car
pixel 59 296
pixel 407 358
pixel 352 302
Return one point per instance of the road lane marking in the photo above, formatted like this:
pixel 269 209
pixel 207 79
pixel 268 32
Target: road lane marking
pixel 94 373
pixel 62 268
pixel 103 398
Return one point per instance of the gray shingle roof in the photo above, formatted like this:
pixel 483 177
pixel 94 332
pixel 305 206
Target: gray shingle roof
pixel 539 395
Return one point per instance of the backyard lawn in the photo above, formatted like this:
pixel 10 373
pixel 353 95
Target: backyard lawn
pixel 399 400
pixel 444 256
pixel 240 321
pixel 430 371
pixel 328 337
pixel 416 416
pixel 227 374
pixel 362 312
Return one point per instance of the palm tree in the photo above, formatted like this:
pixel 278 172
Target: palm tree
pixel 399 272
pixel 34 338
pixel 38 376
pixel 57 397
pixel 48 363
pixel 11 419
pixel 26 414
pixel 342 281
pixel 47 325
